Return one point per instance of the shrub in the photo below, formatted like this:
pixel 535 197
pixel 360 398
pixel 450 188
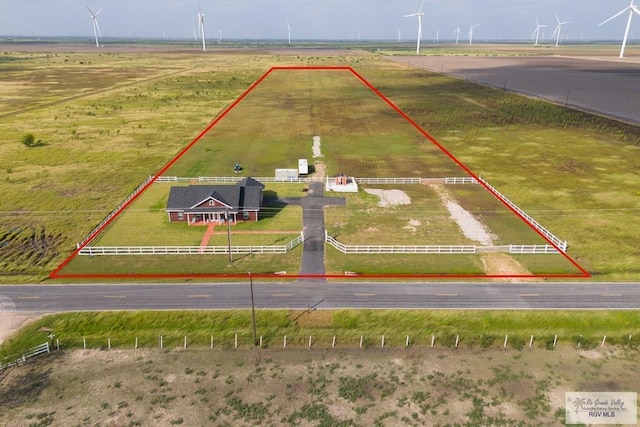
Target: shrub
pixel 30 141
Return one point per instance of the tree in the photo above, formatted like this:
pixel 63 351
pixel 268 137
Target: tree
pixel 30 141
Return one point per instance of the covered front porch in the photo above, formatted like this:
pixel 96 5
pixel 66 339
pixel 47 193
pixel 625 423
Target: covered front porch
pixel 196 219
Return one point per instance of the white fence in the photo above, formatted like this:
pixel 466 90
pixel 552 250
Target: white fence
pixel 399 249
pixel 40 349
pixel 532 249
pixel 190 250
pixel 230 179
pixel 267 179
pixel 116 210
pixel 461 180
pixel 388 180
pixel 562 244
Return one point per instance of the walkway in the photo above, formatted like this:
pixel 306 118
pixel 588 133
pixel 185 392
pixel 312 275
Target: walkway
pixel 207 235
pixel 313 227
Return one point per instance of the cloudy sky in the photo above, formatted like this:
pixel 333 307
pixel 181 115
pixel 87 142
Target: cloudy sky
pixel 314 19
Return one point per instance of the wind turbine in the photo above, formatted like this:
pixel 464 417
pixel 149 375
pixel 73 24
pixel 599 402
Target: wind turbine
pixel 219 35
pixel 471 28
pixel 419 14
pixel 289 31
pixel 201 27
pixel 437 34
pixel 537 30
pixel 96 27
pixel 558 29
pixel 457 32
pixel 399 34
pixel 631 8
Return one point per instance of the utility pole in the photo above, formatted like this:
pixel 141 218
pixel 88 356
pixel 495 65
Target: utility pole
pixel 226 214
pixel 253 312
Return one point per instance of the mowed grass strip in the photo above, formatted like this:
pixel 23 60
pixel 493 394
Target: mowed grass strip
pixel 586 327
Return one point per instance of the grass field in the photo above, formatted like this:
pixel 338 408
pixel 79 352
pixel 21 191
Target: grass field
pixel 473 327
pixel 362 136
pixel 558 165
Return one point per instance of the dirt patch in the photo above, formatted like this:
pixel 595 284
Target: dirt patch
pixel 296 386
pixel 469 225
pixel 11 321
pixel 502 264
pixel 390 197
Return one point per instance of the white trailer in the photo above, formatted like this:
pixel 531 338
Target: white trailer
pixel 303 167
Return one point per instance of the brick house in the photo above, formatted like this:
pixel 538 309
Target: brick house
pixel 202 204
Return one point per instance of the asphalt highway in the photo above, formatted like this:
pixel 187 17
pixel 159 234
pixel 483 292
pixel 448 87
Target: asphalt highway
pixel 302 295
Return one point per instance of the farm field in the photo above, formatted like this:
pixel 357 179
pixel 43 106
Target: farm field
pixel 148 112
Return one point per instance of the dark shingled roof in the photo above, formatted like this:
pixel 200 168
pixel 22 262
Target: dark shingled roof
pixel 244 195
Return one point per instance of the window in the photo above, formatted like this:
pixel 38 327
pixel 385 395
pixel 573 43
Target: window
pixel 211 203
pixel 180 216
pixel 245 215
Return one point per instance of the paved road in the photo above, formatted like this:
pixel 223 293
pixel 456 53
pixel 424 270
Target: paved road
pixel 608 86
pixel 579 295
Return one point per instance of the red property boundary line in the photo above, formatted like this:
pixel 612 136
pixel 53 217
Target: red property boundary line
pixel 57 273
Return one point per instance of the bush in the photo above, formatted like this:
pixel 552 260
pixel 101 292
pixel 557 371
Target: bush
pixel 30 141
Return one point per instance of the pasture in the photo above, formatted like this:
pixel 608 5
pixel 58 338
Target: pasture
pixel 104 136
pixel 480 382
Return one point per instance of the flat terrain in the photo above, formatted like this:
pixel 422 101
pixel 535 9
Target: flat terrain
pixel 604 85
pixel 327 387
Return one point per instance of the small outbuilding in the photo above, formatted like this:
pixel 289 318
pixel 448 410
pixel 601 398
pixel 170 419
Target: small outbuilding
pixel 202 204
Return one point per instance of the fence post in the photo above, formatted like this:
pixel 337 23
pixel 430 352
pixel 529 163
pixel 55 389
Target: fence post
pixel 284 344
pixel 260 341
pixel 84 343
pixel 506 337
pixel 160 342
pixel 406 344
pixel 360 341
pixel 603 340
pixel 57 344
pixel 531 341
pixel 211 341
pixel 382 343
pixel 235 342
pixel 109 343
pixel 185 342
pixel 555 340
pixel 457 340
pixel 629 343
pixel 136 344
pixel 433 340
pixel 309 341
pixel 333 342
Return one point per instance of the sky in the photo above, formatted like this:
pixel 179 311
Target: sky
pixel 316 19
